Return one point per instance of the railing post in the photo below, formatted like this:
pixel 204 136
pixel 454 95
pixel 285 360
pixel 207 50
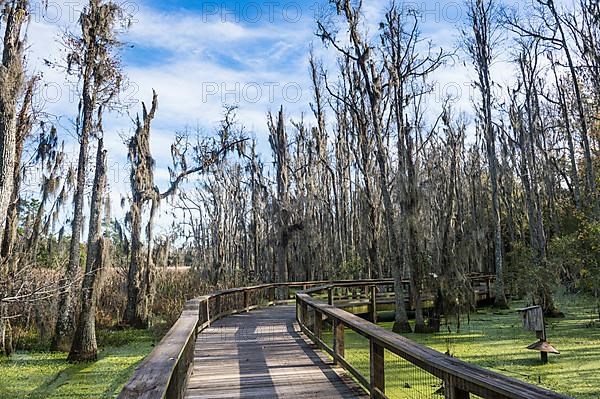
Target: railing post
pixel 304 314
pixel 246 302
pixel 374 304
pixel 272 295
pixel 318 325
pixel 208 311
pixel 377 369
pixel 454 392
pixel 330 295
pixel 338 339
pixel 218 306
pixel 298 310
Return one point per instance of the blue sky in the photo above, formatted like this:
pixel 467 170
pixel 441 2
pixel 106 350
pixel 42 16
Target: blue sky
pixel 201 55
pixel 198 56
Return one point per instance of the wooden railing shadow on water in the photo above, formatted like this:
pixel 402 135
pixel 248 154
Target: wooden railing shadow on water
pixel 164 372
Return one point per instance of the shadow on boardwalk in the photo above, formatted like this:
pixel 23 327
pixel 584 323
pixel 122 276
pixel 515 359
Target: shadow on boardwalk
pixel 262 354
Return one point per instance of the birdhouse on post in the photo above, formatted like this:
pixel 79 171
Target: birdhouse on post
pixel 533 320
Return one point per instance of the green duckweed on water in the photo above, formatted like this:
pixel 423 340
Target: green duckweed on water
pixel 36 375
pixel 496 340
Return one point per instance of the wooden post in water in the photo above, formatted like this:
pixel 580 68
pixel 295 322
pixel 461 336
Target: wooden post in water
pixel 373 305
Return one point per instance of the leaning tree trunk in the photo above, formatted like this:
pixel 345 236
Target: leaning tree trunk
pixel 12 219
pixel 84 347
pixel 8 259
pixel 11 84
pixel 573 172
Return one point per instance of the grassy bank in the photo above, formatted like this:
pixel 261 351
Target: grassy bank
pixel 33 375
pixel 496 340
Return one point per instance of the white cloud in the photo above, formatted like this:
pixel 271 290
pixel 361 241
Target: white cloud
pixel 186 57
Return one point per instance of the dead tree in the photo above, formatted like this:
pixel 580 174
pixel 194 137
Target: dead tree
pixel 528 126
pixel 480 43
pixel 24 126
pixel 143 191
pixel 205 153
pixel 279 145
pixel 285 224
pixel 84 347
pixel 370 82
pixel 559 31
pixel 92 57
pixel 14 14
pixel 409 70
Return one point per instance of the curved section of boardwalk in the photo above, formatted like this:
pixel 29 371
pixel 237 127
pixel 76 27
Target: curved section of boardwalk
pixel 263 354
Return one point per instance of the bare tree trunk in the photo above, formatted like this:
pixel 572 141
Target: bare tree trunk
pixel 11 84
pixel 6 335
pixel 92 30
pixel 584 131
pixel 568 131
pixel 140 274
pixel 65 325
pixel 481 18
pixel 84 347
pixel 23 129
pixel 279 145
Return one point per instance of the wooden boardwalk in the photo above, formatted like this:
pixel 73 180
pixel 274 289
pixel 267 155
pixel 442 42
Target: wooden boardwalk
pixel 263 354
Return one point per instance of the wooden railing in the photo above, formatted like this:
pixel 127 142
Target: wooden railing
pixel 315 309
pixel 165 371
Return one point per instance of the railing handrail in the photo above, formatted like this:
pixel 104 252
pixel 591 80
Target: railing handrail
pixel 464 377
pixel 164 372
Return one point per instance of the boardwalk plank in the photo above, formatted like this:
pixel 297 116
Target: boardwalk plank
pixel 263 354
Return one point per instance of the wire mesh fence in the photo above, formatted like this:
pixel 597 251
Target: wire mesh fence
pixel 357 352
pixel 404 380
pixel 327 332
